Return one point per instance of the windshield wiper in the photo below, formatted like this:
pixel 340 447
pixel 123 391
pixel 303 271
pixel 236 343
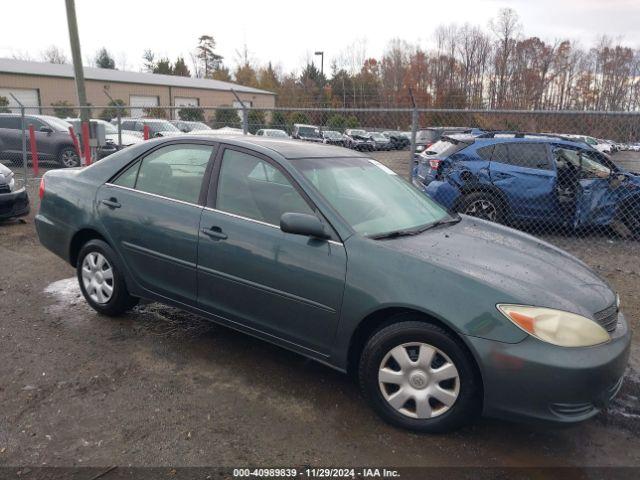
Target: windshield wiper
pixel 415 231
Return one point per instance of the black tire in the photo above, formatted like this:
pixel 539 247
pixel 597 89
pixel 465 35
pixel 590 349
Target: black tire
pixel 466 406
pixel 68 157
pixel 472 204
pixel 120 300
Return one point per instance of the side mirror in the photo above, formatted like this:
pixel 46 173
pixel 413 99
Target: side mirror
pixel 46 129
pixel 303 224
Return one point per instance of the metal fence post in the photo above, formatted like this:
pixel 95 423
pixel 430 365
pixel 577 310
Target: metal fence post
pixel 23 126
pixel 414 131
pixel 119 116
pixel 245 119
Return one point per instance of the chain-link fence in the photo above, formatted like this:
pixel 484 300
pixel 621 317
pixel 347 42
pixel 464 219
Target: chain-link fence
pixel 563 176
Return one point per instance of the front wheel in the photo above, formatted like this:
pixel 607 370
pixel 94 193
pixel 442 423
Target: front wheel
pixel 101 280
pixel 418 376
pixel 68 157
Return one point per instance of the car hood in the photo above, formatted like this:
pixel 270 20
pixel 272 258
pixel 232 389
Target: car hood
pixel 4 170
pixel 529 271
pixel 127 139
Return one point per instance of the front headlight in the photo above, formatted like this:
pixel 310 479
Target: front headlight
pixel 11 181
pixel 557 327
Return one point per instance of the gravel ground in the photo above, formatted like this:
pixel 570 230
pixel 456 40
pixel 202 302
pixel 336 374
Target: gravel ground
pixel 163 387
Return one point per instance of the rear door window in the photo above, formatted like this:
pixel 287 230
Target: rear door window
pixel 485 152
pixel 174 171
pixel 520 154
pixel 529 155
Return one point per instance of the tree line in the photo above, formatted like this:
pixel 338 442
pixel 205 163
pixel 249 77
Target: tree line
pixel 468 67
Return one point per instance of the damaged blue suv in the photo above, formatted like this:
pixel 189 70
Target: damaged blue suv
pixel 537 179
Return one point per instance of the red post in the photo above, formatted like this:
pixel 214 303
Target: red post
pixel 34 150
pixel 145 132
pixel 85 143
pixel 76 143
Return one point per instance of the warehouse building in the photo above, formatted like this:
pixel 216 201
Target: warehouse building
pixel 39 85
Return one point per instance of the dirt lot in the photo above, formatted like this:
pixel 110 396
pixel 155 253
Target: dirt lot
pixel 162 387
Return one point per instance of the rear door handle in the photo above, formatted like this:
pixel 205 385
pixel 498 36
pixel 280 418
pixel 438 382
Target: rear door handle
pixel 215 233
pixel 111 203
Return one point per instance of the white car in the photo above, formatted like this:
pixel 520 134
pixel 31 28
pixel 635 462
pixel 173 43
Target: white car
pixel 599 145
pixel 272 132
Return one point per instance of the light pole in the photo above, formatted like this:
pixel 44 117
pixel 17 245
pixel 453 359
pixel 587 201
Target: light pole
pixel 321 62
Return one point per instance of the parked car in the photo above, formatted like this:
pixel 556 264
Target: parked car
pixel 14 202
pixel 380 141
pixel 358 139
pixel 530 179
pixel 157 127
pixel 595 143
pixel 333 137
pixel 272 132
pixel 309 133
pixel 426 137
pixel 399 141
pixel 53 140
pixel 186 126
pixel 224 131
pixel 111 136
pixel 328 253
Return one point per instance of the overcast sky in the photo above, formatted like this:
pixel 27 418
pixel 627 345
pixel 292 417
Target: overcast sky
pixel 287 32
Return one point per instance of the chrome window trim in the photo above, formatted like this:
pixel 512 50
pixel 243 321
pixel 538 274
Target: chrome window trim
pixel 154 195
pixel 240 217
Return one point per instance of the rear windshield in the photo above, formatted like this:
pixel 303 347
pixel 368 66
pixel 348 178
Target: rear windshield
pixel 427 136
pixel 444 148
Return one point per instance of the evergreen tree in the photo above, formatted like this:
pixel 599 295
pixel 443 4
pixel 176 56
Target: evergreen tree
pixel 104 60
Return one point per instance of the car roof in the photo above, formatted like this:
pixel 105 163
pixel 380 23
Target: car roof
pixel 480 141
pixel 289 149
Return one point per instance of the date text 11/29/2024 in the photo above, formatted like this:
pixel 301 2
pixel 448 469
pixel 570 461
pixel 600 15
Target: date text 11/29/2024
pixel 316 472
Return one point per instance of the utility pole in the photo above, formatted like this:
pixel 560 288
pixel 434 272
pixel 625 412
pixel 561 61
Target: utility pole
pixel 321 62
pixel 74 38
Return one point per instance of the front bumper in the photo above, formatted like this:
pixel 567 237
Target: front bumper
pixel 14 204
pixel 534 380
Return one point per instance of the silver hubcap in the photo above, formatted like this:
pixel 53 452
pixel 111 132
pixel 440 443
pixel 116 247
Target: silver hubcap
pixel 69 158
pixel 482 209
pixel 97 277
pixel 418 380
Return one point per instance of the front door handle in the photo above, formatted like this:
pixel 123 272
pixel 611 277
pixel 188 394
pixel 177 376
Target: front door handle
pixel 215 233
pixel 112 203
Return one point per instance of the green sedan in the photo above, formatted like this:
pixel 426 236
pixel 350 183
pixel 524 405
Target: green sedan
pixel 326 252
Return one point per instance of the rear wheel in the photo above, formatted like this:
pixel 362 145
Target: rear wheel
pixel 482 205
pixel 418 376
pixel 68 157
pixel 101 280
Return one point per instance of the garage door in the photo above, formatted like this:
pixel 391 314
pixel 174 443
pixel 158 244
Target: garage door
pixel 139 102
pixel 28 97
pixel 184 102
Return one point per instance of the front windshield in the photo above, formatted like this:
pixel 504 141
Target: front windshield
pixel 332 134
pixel 162 127
pixel 369 196
pixel 378 136
pixel 57 123
pixel 359 133
pixel 198 126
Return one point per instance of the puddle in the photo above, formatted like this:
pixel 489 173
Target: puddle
pixel 66 293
